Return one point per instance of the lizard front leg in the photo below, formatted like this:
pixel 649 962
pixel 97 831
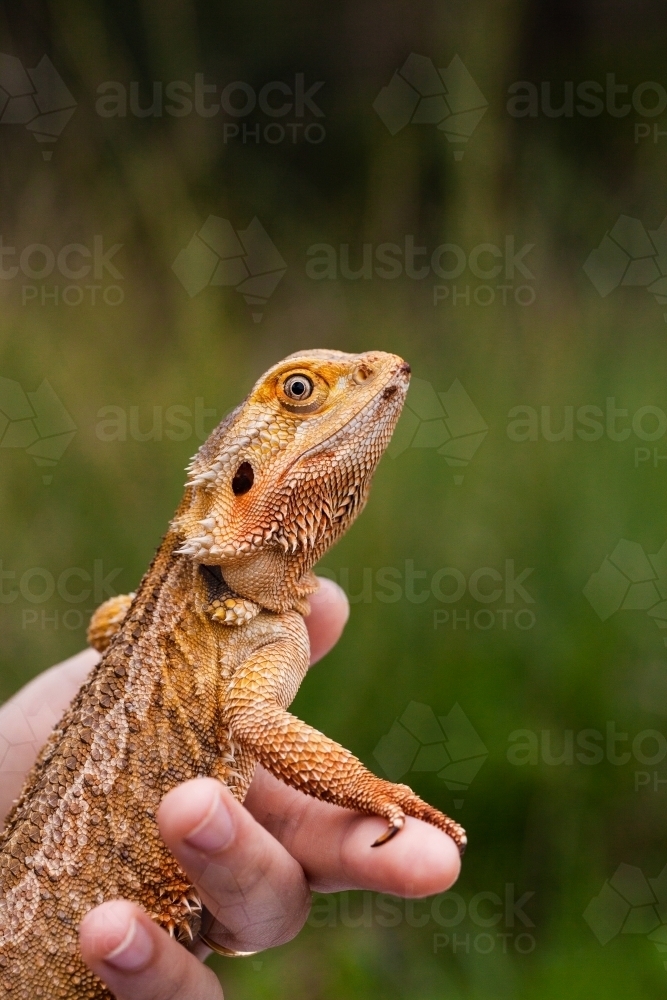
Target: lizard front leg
pixel 220 604
pixel 255 711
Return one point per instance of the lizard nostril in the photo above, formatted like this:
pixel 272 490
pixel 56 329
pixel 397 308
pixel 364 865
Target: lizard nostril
pixel 243 479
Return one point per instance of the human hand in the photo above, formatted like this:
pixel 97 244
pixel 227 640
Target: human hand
pixel 254 865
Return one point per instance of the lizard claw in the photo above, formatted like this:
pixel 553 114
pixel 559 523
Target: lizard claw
pixel 396 824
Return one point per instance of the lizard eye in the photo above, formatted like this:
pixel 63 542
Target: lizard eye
pixel 298 387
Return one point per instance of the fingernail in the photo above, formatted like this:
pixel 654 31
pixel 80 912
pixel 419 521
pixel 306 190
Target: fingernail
pixel 135 950
pixel 216 830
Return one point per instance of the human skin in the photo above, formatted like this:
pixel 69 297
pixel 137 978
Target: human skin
pixel 253 864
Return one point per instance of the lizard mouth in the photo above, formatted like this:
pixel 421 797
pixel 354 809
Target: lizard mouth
pixel 393 393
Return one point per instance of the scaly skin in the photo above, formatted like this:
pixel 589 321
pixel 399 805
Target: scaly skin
pixel 198 670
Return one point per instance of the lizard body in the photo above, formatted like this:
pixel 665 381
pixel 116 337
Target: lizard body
pixel 198 670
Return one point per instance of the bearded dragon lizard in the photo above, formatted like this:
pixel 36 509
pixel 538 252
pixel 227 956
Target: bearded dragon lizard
pixel 199 668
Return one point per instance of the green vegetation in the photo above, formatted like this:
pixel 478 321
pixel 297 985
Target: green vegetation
pixel 558 507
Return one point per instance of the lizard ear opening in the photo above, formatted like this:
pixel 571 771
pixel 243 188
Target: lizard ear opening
pixel 243 479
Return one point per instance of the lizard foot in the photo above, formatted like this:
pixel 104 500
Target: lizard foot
pixel 180 914
pixel 404 803
pixel 233 611
pixel 221 603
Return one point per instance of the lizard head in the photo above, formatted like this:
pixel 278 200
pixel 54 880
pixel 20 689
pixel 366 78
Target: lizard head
pixel 286 473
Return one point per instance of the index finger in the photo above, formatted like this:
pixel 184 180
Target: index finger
pixel 333 845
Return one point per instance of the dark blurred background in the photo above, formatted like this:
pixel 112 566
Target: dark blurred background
pixel 188 191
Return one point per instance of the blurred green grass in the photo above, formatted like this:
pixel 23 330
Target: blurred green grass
pixel 556 831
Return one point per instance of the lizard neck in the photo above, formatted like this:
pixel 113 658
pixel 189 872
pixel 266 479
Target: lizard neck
pixel 271 578
pixel 276 574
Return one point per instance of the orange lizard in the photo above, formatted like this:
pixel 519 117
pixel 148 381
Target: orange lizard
pixel 198 671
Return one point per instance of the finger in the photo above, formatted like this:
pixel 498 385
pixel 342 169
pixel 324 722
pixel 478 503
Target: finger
pixel 27 719
pixel 329 611
pixel 333 845
pixel 138 960
pixel 255 891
